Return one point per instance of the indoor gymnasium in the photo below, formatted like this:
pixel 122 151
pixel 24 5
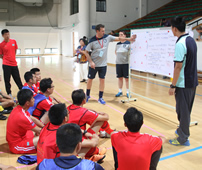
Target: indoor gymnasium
pixel 100 84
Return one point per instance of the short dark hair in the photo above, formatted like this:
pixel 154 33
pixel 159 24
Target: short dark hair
pixel 123 32
pixel 78 96
pixel 97 28
pixel 4 31
pixel 67 137
pixel 34 70
pixel 57 113
pixel 45 84
pixel 133 119
pixel 28 75
pixel 24 95
pixel 179 23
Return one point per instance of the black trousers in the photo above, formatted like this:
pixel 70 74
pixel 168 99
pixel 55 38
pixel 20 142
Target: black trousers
pixel 184 101
pixel 8 71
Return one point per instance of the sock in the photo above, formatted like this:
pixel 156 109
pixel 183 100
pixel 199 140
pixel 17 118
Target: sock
pixel 100 94
pixel 120 90
pixel 128 91
pixel 92 151
pixel 106 127
pixel 88 92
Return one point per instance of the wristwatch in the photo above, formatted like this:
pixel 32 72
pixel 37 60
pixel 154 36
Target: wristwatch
pixel 172 86
pixel 84 132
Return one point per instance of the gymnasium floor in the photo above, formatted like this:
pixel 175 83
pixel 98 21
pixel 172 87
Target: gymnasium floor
pixel 158 119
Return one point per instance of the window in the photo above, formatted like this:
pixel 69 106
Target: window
pixel 18 52
pixel 28 51
pixel 36 50
pixel 51 51
pixel 32 51
pixel 100 5
pixel 74 6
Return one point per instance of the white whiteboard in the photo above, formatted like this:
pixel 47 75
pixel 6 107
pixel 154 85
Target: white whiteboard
pixel 153 51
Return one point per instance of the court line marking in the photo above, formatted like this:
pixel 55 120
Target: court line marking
pixel 180 153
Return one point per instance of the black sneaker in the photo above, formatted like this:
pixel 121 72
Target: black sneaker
pixel 82 81
pixel 2 117
pixel 6 111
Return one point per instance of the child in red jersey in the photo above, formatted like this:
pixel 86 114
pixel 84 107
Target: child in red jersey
pixel 37 73
pixel 43 101
pixel 132 149
pixel 21 125
pixel 82 116
pixel 30 81
pixel 47 147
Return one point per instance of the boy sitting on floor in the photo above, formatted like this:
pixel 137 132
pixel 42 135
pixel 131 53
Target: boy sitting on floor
pixel 43 101
pixel 69 137
pixel 47 147
pixel 30 81
pixel 82 116
pixel 21 125
pixel 132 149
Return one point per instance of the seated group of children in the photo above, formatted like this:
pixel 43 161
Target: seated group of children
pixel 58 134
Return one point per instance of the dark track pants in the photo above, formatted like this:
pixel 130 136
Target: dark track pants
pixel 8 71
pixel 184 101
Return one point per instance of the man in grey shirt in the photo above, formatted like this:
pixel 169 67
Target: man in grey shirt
pixel 98 60
pixel 122 63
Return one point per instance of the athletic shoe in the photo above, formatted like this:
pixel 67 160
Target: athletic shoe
pixel 104 134
pixel 82 81
pixel 127 94
pixel 176 143
pixel 119 94
pixel 6 111
pixel 176 134
pixel 2 117
pixel 87 98
pixel 101 101
pixel 97 158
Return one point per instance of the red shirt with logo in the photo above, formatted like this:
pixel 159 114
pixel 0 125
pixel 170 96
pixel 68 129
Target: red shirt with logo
pixel 18 124
pixel 8 49
pixel 134 150
pixel 47 147
pixel 81 116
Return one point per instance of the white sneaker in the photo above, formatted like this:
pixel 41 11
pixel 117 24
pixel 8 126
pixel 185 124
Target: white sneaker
pixel 104 134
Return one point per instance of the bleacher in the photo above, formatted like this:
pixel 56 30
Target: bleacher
pixel 189 9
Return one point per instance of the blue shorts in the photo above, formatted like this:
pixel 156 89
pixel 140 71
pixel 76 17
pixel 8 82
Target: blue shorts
pixel 122 70
pixel 101 72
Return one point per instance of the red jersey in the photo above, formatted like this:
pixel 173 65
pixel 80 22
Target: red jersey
pixel 37 85
pixel 32 88
pixel 42 107
pixel 134 150
pixel 81 116
pixel 18 124
pixel 47 147
pixel 8 49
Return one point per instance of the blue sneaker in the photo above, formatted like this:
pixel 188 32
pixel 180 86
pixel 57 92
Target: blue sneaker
pixel 119 94
pixel 176 134
pixel 176 143
pixel 87 98
pixel 101 101
pixel 127 94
